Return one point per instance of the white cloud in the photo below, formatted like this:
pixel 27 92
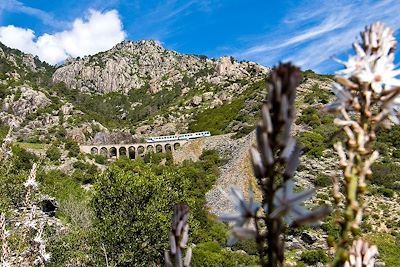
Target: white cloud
pixel 98 32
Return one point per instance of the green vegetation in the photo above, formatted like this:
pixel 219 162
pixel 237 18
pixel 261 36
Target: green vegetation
pixel 310 74
pixel 310 117
pixel 331 228
pixel 314 256
pixel 386 174
pixel 53 153
pixel 72 147
pixel 3 131
pixel 322 180
pixel 314 143
pixel 390 137
pixel 322 135
pixel 100 159
pixel 217 119
pixel 242 111
pixel 389 251
pixel 34 146
pixel 210 254
pixel 114 110
pixel 317 95
pixel 136 232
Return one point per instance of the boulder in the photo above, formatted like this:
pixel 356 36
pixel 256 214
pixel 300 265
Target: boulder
pixel 308 238
pixel 196 100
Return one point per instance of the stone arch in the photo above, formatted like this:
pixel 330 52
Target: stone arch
pixel 132 152
pixel 94 151
pixel 159 148
pixel 104 152
pixel 140 150
pixel 150 149
pixel 176 146
pixel 113 152
pixel 122 151
pixel 168 147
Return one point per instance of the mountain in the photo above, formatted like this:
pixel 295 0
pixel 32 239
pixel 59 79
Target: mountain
pixel 132 65
pixel 131 91
pixel 137 89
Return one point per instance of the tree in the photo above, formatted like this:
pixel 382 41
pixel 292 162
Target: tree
pixel 135 233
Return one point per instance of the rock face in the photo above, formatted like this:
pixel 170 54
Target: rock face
pixel 29 101
pixel 113 138
pixel 132 65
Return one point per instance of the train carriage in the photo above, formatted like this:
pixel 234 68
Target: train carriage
pixel 187 136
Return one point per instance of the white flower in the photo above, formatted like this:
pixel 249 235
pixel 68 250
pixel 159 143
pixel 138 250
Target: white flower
pixel 288 204
pixel 380 74
pixel 373 62
pixel 46 257
pixel 245 211
pixel 343 97
pixel 30 224
pixel 362 254
pixel 38 239
pixel 353 66
pixel 31 182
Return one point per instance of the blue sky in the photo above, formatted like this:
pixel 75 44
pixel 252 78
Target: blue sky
pixel 309 33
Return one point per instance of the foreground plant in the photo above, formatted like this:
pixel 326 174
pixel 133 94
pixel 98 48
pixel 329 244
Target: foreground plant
pixel 275 159
pixel 367 97
pixel 29 246
pixel 178 239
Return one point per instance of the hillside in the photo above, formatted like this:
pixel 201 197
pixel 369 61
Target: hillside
pixel 137 89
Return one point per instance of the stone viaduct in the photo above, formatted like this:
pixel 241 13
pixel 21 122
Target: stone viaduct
pixel 131 150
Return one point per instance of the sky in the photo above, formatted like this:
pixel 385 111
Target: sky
pixel 310 33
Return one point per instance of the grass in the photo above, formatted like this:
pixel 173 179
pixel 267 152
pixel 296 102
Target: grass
pixel 388 250
pixel 34 146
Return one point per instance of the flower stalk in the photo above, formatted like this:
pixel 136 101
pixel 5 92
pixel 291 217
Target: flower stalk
pixel 367 98
pixel 275 158
pixel 178 239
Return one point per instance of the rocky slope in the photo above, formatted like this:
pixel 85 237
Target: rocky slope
pixel 132 65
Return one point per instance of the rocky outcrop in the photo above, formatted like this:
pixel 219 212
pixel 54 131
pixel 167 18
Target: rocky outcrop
pixel 29 101
pixel 112 138
pixel 131 65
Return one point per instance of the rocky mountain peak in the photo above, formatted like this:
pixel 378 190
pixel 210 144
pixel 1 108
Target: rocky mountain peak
pixel 133 65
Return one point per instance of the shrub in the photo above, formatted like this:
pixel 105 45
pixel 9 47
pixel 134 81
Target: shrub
pixel 11 186
pixel 322 180
pixel 396 153
pixel 383 148
pixel 386 174
pixel 53 153
pixel 217 119
pixel 100 159
pixel 310 117
pixel 134 233
pixel 250 246
pixel 210 254
pixel 23 159
pixel 314 256
pixel 72 147
pixel 3 131
pixel 331 228
pixel 314 143
pixel 385 192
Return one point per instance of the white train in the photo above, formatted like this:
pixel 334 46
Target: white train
pixel 177 137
